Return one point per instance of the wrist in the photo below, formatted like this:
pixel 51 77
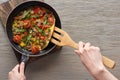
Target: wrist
pixel 97 71
pixel 104 74
pixel 100 72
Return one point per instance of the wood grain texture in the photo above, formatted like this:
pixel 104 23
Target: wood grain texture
pixel 95 21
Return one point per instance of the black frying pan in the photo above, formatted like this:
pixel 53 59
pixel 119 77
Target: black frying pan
pixel 26 54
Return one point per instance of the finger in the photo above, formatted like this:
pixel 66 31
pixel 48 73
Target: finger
pixel 87 45
pixel 16 68
pixel 77 51
pixel 95 48
pixel 9 73
pixel 81 45
pixel 22 66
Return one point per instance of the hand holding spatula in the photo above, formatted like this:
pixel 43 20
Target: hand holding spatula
pixel 61 38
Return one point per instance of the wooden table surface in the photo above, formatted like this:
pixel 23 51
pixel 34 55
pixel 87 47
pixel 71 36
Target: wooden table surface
pixel 95 21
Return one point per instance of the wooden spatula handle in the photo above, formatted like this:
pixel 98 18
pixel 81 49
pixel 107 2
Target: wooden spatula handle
pixel 106 61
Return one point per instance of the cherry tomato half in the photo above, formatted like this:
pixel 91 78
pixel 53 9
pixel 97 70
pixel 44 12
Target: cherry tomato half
pixel 27 24
pixel 17 38
pixel 51 20
pixel 42 37
pixel 35 49
pixel 36 10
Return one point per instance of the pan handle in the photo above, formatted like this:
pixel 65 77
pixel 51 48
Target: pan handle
pixel 25 58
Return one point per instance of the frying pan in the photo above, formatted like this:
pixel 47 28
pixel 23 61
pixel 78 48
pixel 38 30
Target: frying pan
pixel 26 54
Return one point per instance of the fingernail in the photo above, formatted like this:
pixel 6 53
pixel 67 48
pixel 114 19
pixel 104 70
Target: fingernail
pixel 22 62
pixel 75 50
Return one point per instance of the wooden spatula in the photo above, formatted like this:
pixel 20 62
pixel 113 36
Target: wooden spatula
pixel 61 38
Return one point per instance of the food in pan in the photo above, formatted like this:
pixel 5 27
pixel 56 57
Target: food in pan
pixel 32 28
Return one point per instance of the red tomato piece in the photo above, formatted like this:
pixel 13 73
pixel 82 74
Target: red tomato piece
pixel 35 49
pixel 27 24
pixel 42 37
pixel 17 38
pixel 51 20
pixel 36 10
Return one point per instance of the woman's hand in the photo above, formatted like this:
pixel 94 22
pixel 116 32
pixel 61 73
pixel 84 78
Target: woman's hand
pixel 92 60
pixel 17 72
pixel 90 57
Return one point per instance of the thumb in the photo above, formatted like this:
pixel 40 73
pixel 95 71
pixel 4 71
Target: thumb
pixel 77 52
pixel 22 66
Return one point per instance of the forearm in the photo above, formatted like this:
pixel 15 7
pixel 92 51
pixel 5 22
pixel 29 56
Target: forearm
pixel 104 75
